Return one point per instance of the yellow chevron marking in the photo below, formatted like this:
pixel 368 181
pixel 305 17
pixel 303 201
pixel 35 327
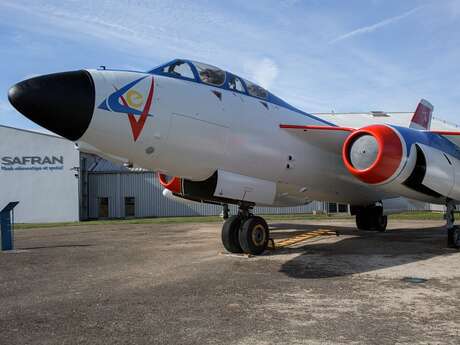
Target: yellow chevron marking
pixel 300 238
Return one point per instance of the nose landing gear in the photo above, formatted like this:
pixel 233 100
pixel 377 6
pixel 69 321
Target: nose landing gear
pixel 245 233
pixel 453 231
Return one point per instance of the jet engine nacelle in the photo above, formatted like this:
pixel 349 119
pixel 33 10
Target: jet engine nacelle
pixel 222 187
pixel 405 161
pixel 231 188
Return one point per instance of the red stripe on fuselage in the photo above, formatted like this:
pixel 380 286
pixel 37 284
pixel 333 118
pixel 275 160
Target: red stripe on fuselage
pixel 324 128
pixel 138 125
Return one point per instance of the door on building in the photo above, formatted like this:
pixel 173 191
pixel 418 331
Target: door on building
pixel 130 206
pixel 103 211
pixel 333 207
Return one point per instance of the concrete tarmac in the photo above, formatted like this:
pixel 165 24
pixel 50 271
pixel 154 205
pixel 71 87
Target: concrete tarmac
pixel 171 284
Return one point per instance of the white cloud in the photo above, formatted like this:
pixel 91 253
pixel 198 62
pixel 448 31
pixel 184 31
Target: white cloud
pixel 373 27
pixel 454 8
pixel 263 72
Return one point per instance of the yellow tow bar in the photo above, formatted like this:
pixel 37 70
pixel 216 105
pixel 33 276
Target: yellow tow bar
pixel 300 238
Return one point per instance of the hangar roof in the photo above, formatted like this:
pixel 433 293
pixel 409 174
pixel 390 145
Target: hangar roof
pixel 35 131
pixel 357 119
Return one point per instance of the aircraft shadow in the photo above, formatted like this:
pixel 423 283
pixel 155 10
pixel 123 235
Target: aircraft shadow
pixel 364 252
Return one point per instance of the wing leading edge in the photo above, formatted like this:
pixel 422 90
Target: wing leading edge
pixel 450 135
pixel 329 138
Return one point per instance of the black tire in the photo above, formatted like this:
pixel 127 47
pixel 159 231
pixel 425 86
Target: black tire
pixel 453 237
pixel 371 219
pixel 380 223
pixel 362 221
pixel 230 234
pixel 254 236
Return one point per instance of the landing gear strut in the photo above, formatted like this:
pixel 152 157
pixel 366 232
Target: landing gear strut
pixel 245 233
pixel 225 211
pixel 453 231
pixel 371 219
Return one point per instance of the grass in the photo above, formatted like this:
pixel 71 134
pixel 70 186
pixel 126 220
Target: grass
pixel 211 219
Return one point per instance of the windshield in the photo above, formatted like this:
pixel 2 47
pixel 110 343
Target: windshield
pixel 179 68
pixel 255 90
pixel 210 74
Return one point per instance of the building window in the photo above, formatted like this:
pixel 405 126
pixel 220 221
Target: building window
pixel 343 208
pixel 103 208
pixel 337 208
pixel 332 207
pixel 130 206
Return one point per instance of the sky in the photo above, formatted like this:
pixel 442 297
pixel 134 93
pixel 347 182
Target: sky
pixel 318 55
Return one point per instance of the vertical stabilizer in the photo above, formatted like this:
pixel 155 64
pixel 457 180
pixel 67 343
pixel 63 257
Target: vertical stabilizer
pixel 422 116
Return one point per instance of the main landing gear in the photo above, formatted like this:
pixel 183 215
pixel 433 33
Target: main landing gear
pixel 453 231
pixel 245 233
pixel 371 219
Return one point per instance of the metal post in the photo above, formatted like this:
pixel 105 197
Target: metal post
pixel 225 211
pixel 6 225
pixel 7 240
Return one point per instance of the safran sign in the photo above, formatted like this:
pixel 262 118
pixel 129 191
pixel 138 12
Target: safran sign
pixel 34 163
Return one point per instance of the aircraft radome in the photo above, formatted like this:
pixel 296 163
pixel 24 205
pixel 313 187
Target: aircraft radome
pixel 216 137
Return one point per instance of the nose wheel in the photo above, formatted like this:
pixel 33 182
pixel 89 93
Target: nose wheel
pixel 245 233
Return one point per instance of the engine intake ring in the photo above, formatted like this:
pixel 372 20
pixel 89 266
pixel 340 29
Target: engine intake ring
pixel 389 155
pixel 174 184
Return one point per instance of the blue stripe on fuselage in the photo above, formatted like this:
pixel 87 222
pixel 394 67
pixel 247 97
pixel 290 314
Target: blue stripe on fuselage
pixel 279 102
pixel 434 140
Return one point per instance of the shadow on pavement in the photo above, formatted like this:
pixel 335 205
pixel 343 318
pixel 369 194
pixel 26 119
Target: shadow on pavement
pixel 364 252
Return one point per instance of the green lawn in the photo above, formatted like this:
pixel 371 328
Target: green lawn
pixel 211 219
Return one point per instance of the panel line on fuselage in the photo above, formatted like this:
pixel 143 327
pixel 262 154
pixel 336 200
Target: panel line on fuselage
pixel 197 119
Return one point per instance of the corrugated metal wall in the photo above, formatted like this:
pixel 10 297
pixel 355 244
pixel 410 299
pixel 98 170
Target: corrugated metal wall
pixel 150 202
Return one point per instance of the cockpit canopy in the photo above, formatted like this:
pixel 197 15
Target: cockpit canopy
pixel 211 75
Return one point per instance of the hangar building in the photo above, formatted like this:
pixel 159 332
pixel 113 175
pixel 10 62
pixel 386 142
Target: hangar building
pixel 40 171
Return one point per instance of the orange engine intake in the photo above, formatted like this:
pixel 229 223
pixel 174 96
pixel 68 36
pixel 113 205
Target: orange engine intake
pixel 373 154
pixel 174 184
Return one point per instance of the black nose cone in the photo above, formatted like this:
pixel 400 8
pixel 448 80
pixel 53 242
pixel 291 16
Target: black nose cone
pixel 61 102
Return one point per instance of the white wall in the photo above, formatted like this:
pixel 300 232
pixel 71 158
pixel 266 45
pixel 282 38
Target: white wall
pixel 46 188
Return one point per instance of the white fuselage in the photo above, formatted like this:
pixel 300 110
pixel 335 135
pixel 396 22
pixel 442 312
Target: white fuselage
pixel 192 133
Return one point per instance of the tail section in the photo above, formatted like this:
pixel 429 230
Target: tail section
pixel 422 116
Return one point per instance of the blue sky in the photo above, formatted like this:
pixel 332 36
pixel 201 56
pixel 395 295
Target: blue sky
pixel 319 55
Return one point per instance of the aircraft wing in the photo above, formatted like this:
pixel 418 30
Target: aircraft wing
pixel 329 138
pixel 450 135
pixel 332 138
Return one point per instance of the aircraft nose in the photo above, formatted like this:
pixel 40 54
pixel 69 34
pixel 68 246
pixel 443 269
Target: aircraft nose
pixel 62 102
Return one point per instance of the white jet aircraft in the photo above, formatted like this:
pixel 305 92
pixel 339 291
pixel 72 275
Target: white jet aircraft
pixel 218 138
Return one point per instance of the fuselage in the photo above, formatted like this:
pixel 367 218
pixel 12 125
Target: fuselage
pixel 193 128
